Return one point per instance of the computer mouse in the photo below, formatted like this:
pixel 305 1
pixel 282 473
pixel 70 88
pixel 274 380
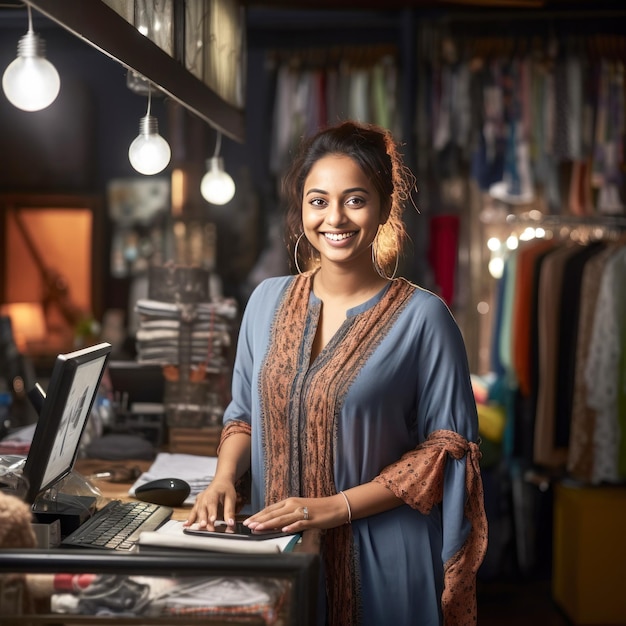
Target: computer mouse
pixel 165 491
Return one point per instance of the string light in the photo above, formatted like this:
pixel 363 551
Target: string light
pixel 216 186
pixel 31 82
pixel 149 153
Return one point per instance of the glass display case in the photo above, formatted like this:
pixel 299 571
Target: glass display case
pixel 157 587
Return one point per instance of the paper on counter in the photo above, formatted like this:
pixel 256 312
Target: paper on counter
pixel 171 535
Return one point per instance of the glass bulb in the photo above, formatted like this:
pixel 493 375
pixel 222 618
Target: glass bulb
pixel 31 82
pixel 217 187
pixel 149 153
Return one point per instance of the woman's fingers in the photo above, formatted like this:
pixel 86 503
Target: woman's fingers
pixel 283 514
pixel 297 514
pixel 217 501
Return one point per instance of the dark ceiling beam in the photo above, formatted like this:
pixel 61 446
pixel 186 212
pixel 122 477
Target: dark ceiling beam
pixel 101 27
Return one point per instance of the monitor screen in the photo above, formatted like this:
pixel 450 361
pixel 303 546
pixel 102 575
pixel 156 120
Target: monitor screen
pixel 64 413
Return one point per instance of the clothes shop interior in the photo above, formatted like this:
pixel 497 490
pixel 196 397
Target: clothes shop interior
pixel 511 115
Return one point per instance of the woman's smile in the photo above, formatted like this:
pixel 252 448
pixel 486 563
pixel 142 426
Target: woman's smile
pixel 339 238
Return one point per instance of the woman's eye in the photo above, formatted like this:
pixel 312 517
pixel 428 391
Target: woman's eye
pixel 355 201
pixel 317 202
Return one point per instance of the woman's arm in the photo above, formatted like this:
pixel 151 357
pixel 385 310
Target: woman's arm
pixel 288 515
pixel 218 500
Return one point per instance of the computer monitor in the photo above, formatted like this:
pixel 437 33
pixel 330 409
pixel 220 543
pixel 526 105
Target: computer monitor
pixel 136 383
pixel 65 409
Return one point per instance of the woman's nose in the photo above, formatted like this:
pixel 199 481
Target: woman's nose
pixel 335 215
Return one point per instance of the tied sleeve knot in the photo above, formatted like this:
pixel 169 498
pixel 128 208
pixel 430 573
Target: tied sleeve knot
pixel 418 479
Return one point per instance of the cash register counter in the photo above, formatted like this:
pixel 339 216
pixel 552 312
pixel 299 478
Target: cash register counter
pixel 294 573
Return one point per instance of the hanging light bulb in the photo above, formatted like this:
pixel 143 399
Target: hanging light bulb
pixel 31 82
pixel 216 186
pixel 149 153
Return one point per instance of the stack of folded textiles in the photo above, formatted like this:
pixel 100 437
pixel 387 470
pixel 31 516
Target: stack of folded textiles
pixel 201 330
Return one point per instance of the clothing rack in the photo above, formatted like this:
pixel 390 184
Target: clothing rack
pixel 572 220
pixel 506 33
pixel 478 20
pixel 595 227
pixel 331 56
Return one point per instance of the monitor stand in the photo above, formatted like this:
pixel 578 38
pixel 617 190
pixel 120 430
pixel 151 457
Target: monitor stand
pixel 71 510
pixel 37 395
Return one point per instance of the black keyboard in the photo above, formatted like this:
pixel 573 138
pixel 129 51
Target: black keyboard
pixel 118 525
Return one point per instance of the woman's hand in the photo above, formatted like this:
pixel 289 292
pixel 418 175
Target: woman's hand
pixel 217 501
pixel 296 514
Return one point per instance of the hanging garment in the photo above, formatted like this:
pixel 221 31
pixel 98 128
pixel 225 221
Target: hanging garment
pixel 602 368
pixel 546 452
pixel 582 424
pixel 567 339
pixel 522 309
pixel 442 254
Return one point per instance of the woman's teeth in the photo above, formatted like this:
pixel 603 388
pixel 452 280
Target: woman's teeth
pixel 338 236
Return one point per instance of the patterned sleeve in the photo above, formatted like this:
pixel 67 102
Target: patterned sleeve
pixel 233 427
pixel 243 485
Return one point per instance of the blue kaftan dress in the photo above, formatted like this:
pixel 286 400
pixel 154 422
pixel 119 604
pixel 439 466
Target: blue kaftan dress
pixel 415 381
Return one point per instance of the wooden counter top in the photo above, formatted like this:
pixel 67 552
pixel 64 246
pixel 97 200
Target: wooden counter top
pixel 119 491
pixel 112 490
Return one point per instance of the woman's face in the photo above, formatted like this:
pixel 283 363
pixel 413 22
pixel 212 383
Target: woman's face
pixel 340 210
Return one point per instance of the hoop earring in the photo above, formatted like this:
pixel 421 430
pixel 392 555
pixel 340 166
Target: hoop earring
pixel 295 253
pixel 379 269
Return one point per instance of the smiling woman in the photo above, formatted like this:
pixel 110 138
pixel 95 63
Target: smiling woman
pixel 352 405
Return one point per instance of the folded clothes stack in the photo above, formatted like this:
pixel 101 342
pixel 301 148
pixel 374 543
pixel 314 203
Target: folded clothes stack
pixel 171 333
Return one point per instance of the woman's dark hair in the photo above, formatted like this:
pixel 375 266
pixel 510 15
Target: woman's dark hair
pixel 374 150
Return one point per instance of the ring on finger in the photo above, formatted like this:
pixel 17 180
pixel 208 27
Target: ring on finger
pixel 305 512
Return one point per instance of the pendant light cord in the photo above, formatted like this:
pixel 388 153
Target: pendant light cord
pixel 218 143
pixel 30 19
pixel 149 97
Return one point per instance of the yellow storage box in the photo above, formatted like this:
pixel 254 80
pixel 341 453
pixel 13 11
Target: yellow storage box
pixel 589 567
